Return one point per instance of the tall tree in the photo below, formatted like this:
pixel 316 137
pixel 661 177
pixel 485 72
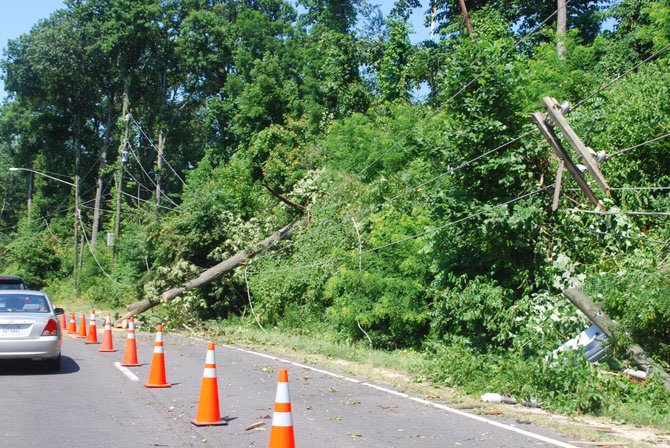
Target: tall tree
pixel 337 15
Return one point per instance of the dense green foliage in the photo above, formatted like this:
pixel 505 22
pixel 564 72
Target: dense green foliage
pixel 426 224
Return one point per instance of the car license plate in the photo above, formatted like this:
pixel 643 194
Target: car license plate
pixel 12 330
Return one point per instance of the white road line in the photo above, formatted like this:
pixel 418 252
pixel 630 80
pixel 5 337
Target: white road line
pixel 131 376
pixel 505 426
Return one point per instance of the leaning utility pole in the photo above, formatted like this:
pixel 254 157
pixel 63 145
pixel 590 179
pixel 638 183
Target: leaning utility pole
pixel 119 176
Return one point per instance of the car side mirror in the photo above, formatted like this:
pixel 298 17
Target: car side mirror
pixel 58 311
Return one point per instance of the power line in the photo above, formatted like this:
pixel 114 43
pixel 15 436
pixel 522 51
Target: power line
pixel 616 235
pixel 473 80
pixel 628 188
pixel 458 221
pixel 154 146
pixel 623 75
pixel 422 234
pixel 630 148
pixel 470 161
pixel 151 202
pixel 88 245
pixel 616 212
pixel 147 175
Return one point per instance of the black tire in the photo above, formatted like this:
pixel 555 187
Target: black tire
pixel 53 364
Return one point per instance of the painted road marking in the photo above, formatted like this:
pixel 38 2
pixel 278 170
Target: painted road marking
pixel 131 376
pixel 415 399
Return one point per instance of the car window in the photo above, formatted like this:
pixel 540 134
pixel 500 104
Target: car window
pixel 8 285
pixel 28 303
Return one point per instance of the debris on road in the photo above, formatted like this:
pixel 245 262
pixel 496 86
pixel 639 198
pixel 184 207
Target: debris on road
pixel 498 398
pixel 254 426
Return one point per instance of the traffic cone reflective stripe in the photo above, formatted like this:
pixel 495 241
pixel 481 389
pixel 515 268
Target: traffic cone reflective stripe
pixel 82 326
pixel 157 372
pixel 130 353
pixel 92 330
pixel 107 342
pixel 282 421
pixel 72 328
pixel 63 323
pixel 208 406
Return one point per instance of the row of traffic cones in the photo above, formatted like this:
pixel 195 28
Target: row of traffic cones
pixel 92 334
pixel 208 413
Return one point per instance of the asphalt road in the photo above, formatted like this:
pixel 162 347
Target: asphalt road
pixel 91 402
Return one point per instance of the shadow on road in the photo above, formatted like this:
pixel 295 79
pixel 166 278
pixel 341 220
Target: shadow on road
pixel 28 367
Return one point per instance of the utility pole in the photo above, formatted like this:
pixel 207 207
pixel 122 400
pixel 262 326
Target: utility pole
pixel 159 168
pixel 466 18
pixel 30 195
pixel 103 161
pixel 119 177
pixel 75 255
pixel 561 28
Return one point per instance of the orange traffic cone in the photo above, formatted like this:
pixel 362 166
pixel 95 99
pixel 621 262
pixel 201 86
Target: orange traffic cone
pixel 282 420
pixel 107 343
pixel 82 327
pixel 72 328
pixel 92 330
pixel 208 406
pixel 63 323
pixel 157 372
pixel 130 353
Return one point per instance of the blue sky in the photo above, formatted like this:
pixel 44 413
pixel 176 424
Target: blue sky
pixel 19 16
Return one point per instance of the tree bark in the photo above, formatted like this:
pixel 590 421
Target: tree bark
pixel 466 18
pixel 209 275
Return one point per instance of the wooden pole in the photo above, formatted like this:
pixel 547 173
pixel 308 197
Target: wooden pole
pixel 30 194
pixel 557 188
pixel 561 28
pixel 562 154
pixel 107 139
pixel 602 320
pixel 159 167
pixel 554 113
pixel 119 182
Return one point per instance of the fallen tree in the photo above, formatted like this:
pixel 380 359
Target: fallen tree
pixel 209 275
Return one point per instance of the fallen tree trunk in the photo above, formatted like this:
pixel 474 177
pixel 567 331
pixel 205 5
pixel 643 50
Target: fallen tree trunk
pixel 208 276
pixel 599 318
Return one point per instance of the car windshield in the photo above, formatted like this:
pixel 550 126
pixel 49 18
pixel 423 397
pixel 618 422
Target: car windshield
pixel 23 303
pixel 11 285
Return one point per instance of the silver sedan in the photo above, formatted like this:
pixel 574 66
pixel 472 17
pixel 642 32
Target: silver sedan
pixel 29 328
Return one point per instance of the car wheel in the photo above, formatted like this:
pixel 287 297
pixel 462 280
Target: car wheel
pixel 53 364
